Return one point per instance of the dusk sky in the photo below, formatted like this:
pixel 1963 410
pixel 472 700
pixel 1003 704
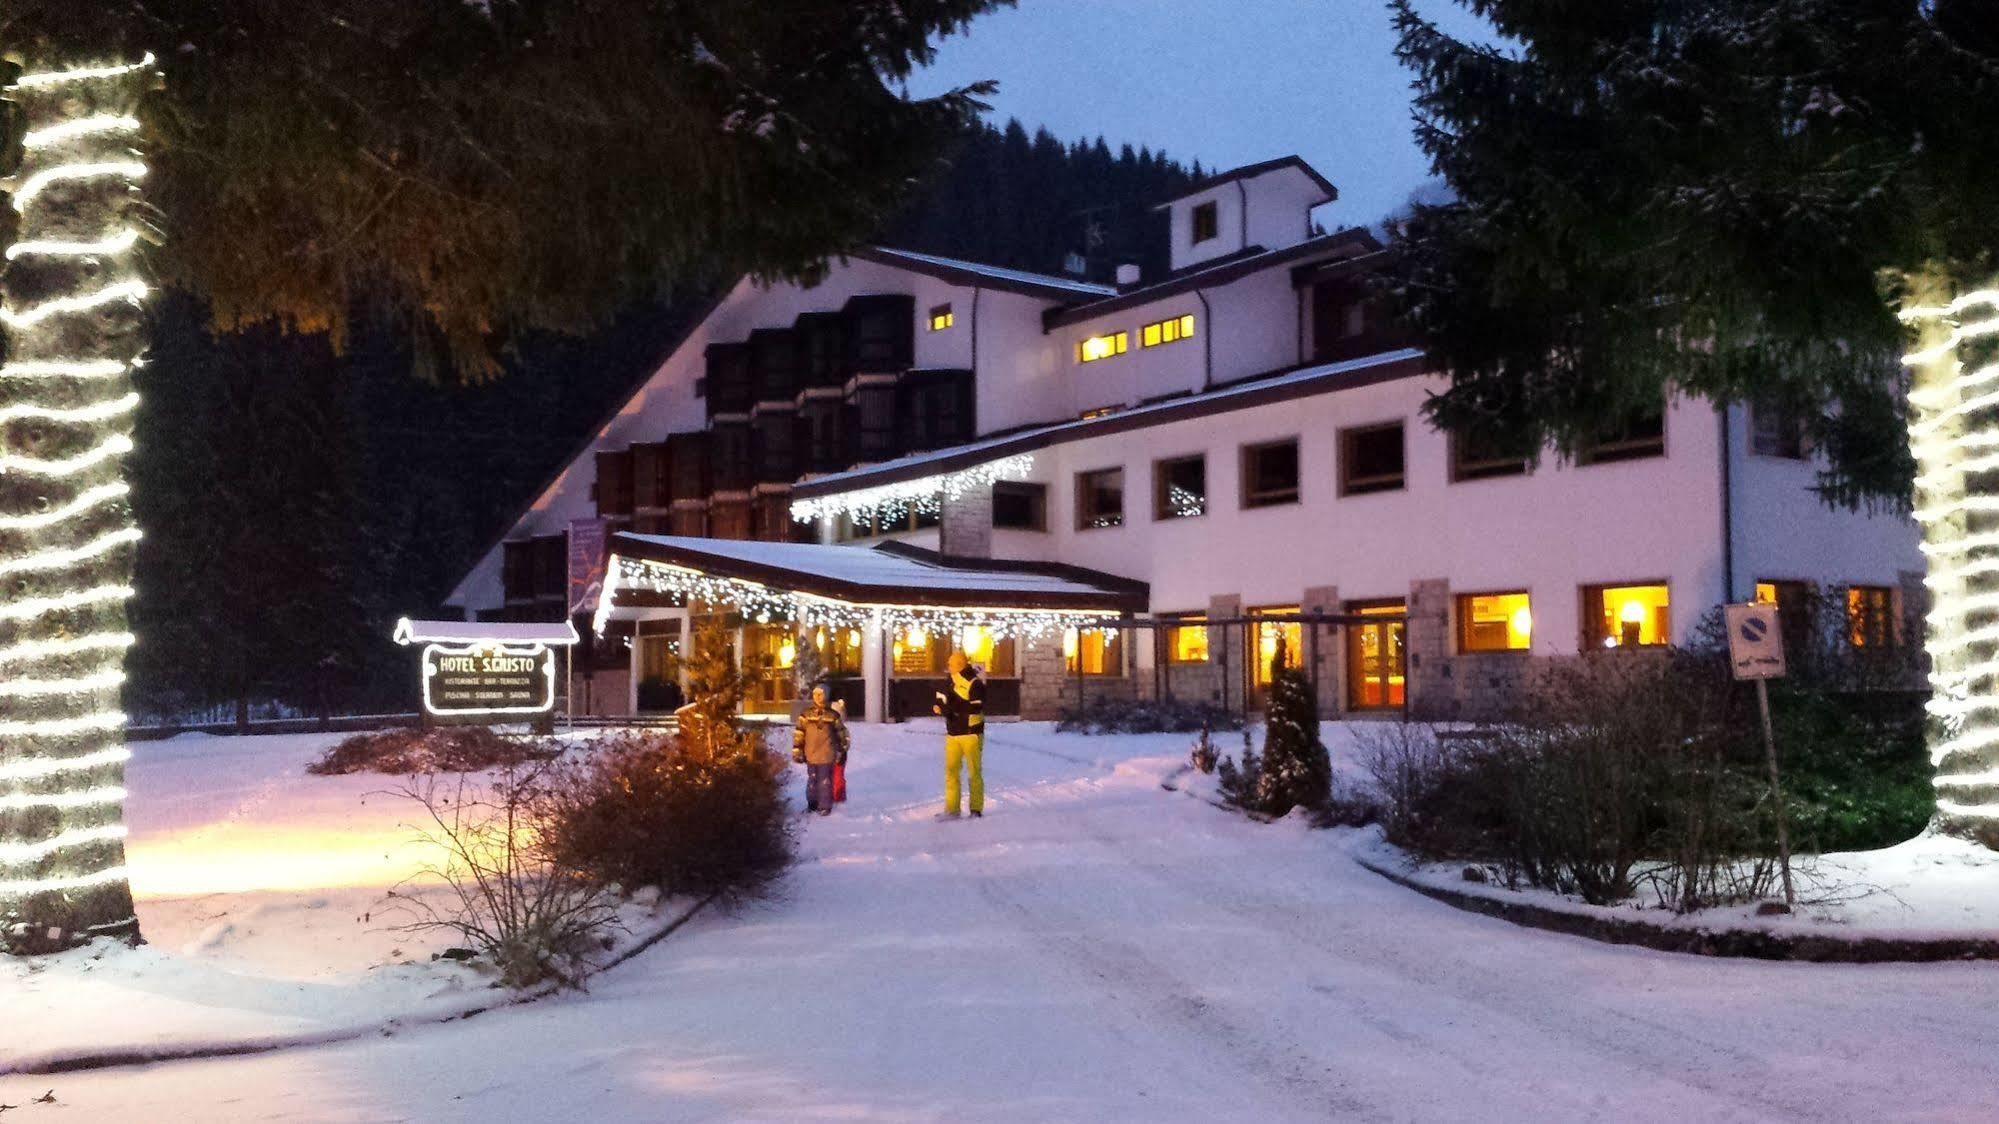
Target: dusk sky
pixel 1228 82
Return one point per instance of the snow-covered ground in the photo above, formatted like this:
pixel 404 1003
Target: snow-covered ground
pixel 1094 949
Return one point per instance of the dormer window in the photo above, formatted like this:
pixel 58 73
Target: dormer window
pixel 1207 222
pixel 940 318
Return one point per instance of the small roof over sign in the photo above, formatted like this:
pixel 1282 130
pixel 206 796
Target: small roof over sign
pixel 559 633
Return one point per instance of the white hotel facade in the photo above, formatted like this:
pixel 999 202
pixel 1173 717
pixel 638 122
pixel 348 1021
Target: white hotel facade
pixel 1241 437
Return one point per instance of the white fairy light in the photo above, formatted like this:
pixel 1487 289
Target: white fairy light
pixel 38 768
pixel 926 494
pixel 119 243
pixel 62 727
pixel 81 127
pixel 60 559
pixel 83 74
pixel 118 445
pixel 62 306
pixel 65 369
pixel 72 415
pixel 88 798
pixel 31 607
pixel 67 646
pixel 24 887
pixel 43 848
pixel 87 500
pixel 75 685
pixel 32 188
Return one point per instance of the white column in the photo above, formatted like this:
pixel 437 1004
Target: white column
pixel 873 676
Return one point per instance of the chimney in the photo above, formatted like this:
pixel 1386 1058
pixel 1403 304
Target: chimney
pixel 1127 276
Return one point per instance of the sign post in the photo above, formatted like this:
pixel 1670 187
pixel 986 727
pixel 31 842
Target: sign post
pixel 1756 652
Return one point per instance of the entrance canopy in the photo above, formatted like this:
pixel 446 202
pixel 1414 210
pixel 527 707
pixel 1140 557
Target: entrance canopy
pixel 892 585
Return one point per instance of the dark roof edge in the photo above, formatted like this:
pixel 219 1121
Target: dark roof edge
pixel 1163 412
pixel 891 257
pixel 1124 595
pixel 1063 570
pixel 1248 171
pixel 1234 269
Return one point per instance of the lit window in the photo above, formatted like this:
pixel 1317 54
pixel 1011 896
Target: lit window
pixel 1187 642
pixel 1371 459
pixel 1099 412
pixel 1627 616
pixel 993 655
pixel 1167 331
pixel 1103 347
pixel 1100 499
pixel 941 318
pixel 1180 488
pixel 1093 651
pixel 1494 622
pixel 1870 616
pixel 1207 222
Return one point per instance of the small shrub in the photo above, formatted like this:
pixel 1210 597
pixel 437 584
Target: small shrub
pixel 1294 770
pixel 659 810
pixel 1146 716
pixel 440 749
pixel 534 919
pixel 1203 757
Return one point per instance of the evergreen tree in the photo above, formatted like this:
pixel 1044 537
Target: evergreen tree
pixel 1741 199
pixel 1294 769
pixel 710 723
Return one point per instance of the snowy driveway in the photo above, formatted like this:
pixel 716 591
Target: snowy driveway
pixel 1099 949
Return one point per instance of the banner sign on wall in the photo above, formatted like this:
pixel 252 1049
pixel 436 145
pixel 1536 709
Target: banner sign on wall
pixel 587 540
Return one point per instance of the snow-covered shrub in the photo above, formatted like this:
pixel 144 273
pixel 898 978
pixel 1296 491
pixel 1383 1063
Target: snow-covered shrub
pixel 663 810
pixel 1294 770
pixel 495 884
pixel 1204 757
pixel 1146 716
pixel 441 749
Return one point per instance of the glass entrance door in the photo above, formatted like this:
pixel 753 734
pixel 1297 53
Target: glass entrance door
pixel 769 652
pixel 1272 640
pixel 1375 677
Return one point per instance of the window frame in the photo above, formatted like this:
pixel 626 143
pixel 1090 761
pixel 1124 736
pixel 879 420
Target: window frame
pixel 1277 498
pixel 1161 512
pixel 1863 631
pixel 1111 656
pixel 1170 635
pixel 1592 614
pixel 1464 470
pixel 1083 488
pixel 1118 343
pixel 1204 216
pixel 1461 608
pixel 1037 490
pixel 1626 448
pixel 1791 430
pixel 941 318
pixel 1155 333
pixel 1365 486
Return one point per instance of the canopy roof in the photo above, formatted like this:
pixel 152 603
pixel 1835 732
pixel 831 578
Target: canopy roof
pixel 892 574
pixel 560 633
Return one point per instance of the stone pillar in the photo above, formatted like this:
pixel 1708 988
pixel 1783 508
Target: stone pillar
pixel 1044 677
pixel 965 528
pixel 1426 650
pixel 1325 649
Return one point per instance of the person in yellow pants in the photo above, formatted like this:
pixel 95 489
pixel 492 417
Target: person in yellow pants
pixel 963 705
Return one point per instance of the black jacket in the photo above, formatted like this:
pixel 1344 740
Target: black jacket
pixel 963 702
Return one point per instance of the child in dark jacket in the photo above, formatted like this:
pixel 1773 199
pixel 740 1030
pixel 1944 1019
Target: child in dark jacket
pixel 819 742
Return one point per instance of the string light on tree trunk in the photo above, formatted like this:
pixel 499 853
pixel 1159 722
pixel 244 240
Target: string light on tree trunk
pixel 1954 433
pixel 70 307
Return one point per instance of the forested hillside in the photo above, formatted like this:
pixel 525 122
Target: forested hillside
pixel 299 501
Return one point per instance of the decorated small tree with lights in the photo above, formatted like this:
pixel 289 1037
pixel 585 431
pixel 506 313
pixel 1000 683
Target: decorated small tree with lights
pixel 463 164
pixel 1754 202
pixel 1294 770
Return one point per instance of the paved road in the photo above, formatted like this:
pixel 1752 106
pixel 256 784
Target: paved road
pixel 1098 949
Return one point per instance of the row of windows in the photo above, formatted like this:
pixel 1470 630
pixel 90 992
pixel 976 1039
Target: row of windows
pixel 1159 333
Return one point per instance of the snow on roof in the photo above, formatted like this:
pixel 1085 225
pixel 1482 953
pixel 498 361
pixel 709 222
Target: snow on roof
pixel 943 460
pixel 470 632
pixel 1000 273
pixel 889 572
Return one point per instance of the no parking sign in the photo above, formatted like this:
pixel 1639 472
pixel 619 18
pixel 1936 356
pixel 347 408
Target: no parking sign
pixel 1755 647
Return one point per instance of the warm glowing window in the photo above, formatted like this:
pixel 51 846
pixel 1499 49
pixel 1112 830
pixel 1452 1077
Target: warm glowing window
pixel 941 318
pixel 1207 222
pixel 1180 487
pixel 1870 616
pixel 993 655
pixel 1100 499
pixel 1187 641
pixel 1167 331
pixel 1494 622
pixel 1276 640
pixel 917 652
pixel 1627 616
pixel 1093 651
pixel 1094 348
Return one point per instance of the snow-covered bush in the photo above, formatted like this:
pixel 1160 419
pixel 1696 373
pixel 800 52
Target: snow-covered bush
pixel 441 749
pixel 495 884
pixel 1110 715
pixel 1204 757
pixel 1294 770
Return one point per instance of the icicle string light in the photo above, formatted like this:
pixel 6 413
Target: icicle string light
pixel 1953 436
pixel 926 495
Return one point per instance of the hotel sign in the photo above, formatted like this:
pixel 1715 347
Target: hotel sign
pixel 483 680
